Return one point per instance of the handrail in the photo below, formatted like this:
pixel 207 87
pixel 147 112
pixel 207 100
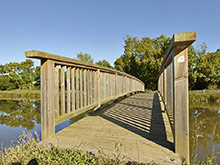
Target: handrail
pixel 173 88
pixel 70 61
pixel 70 87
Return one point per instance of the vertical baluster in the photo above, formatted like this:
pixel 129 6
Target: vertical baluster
pixel 63 90
pixel 93 87
pixel 73 88
pixel 98 87
pixel 77 88
pixel 85 84
pixel 90 86
pixel 68 89
pixel 56 91
pixel 81 89
pixel 88 89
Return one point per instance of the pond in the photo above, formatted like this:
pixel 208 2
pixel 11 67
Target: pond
pixel 205 132
pixel 18 116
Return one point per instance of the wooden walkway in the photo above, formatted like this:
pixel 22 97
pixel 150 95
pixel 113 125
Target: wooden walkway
pixel 135 128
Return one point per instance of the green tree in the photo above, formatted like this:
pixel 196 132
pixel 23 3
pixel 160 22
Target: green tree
pixel 21 74
pixel 142 58
pixel 207 69
pixel 104 63
pixel 192 62
pixel 85 57
pixel 5 83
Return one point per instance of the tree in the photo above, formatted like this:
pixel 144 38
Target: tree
pixel 104 63
pixel 84 57
pixel 192 62
pixel 5 83
pixel 207 69
pixel 142 58
pixel 21 74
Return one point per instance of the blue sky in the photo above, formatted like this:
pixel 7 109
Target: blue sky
pixel 98 27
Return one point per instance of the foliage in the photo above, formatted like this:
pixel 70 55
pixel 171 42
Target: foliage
pixel 19 75
pixel 142 58
pixel 208 69
pixel 104 63
pixel 5 83
pixel 27 149
pixel 85 57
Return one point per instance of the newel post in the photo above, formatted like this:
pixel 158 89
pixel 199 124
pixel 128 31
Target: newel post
pixel 181 103
pixel 47 98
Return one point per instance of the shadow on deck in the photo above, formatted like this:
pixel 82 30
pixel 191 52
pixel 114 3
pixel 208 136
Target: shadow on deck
pixel 141 115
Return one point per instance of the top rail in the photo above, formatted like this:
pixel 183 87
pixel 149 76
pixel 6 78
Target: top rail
pixel 70 87
pixel 70 61
pixel 173 87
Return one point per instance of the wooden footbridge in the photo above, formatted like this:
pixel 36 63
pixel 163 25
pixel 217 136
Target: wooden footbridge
pixel 137 126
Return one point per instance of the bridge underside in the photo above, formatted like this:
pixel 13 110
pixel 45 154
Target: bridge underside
pixel 135 128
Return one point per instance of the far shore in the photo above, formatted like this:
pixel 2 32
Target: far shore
pixel 196 96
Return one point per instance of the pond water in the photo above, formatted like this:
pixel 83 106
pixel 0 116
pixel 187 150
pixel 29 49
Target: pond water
pixel 18 116
pixel 205 132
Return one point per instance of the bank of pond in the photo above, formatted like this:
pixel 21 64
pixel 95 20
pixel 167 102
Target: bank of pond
pixel 18 115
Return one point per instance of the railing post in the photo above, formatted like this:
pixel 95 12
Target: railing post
pixel 47 99
pixel 181 104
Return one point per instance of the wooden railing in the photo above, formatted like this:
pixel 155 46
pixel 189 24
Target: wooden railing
pixel 173 87
pixel 70 87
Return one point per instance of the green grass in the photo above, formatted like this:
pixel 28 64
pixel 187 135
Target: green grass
pixel 205 97
pixel 28 149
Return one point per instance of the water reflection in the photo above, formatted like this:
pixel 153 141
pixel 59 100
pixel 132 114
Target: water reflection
pixel 17 116
pixel 205 133
pixel 20 113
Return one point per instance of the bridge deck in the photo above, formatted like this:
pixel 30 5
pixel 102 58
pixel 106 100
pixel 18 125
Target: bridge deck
pixel 134 128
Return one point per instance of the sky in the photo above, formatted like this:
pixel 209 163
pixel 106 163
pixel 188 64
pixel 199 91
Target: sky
pixel 99 27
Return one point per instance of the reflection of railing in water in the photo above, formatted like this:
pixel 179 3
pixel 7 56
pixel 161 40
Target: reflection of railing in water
pixel 173 87
pixel 77 86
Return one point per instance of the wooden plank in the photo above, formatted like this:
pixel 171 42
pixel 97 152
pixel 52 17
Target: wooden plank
pixel 47 99
pixel 63 106
pixel 77 88
pixel 73 88
pixel 93 86
pixel 56 91
pixel 81 89
pixel 181 105
pixel 84 87
pixel 71 62
pixel 68 88
pixel 116 85
pixel 88 87
pixel 98 87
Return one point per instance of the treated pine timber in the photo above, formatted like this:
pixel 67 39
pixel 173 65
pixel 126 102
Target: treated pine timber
pixel 136 127
pixel 47 99
pixel 63 105
pixel 73 62
pixel 173 87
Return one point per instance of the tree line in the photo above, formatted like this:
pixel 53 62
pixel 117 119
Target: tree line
pixel 142 58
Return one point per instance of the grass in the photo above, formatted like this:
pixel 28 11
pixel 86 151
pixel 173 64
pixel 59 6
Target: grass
pixel 205 97
pixel 27 150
